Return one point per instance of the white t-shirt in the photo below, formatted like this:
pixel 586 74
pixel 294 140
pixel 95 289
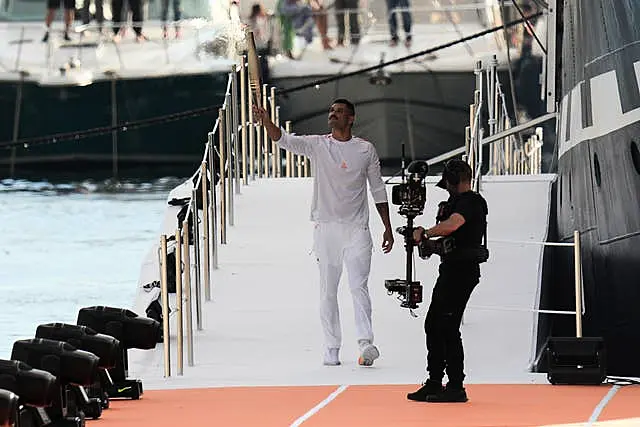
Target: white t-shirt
pixel 341 170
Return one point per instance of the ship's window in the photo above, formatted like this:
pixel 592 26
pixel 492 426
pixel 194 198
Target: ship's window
pixel 569 189
pixel 596 169
pixel 635 156
pixel 560 182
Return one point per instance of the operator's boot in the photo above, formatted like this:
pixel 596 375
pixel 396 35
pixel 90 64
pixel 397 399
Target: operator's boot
pixel 429 388
pixel 450 394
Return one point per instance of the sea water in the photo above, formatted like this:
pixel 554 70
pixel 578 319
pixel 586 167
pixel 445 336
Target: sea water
pixel 68 246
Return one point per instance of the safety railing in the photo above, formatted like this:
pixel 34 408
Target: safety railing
pixel 244 153
pixel 508 155
pixel 578 281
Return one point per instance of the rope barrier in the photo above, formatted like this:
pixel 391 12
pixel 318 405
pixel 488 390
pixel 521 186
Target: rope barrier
pixel 529 242
pixel 123 127
pixel 530 310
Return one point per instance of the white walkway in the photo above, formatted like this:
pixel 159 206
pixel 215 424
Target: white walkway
pixel 262 327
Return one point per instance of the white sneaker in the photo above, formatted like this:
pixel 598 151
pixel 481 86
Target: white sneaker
pixel 331 357
pixel 368 353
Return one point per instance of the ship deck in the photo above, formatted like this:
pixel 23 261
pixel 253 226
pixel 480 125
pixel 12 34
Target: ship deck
pixel 258 355
pixel 380 405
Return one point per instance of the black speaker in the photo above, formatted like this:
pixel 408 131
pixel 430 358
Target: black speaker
pixel 576 361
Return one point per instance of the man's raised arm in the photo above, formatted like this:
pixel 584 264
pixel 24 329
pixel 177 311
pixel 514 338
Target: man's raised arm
pixel 294 143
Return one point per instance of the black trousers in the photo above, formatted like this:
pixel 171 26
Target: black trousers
pixel 136 7
pixel 354 24
pixel 451 293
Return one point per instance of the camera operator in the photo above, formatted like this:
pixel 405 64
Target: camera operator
pixel 461 224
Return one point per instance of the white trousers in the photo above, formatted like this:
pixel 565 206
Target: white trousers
pixel 337 245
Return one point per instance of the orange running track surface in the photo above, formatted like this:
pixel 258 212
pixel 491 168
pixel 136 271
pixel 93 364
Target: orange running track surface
pixel 371 406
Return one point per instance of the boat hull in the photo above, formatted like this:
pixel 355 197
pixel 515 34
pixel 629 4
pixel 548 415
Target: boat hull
pixel 425 111
pixel 161 144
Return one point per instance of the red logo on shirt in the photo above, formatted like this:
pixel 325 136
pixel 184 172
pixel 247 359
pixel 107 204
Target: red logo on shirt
pixel 343 165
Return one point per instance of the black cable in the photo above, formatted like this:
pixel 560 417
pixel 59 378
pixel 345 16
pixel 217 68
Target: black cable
pixel 405 58
pixel 122 127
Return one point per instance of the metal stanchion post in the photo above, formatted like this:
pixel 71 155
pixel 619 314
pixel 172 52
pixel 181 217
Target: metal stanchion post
pixel 265 137
pixel 187 287
pixel 276 148
pixel 234 123
pixel 179 330
pixel 252 140
pixel 289 155
pixel 259 148
pixel 197 257
pixel 491 103
pixel 213 206
pixel 230 156
pixel 164 292
pixel 243 118
pixel 477 164
pixel 222 184
pixel 205 233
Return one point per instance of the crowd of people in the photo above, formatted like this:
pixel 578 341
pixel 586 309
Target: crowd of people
pixel 122 11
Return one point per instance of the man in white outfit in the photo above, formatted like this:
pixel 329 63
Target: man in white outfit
pixel 342 164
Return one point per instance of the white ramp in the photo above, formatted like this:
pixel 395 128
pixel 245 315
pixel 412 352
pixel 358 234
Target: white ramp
pixel 262 326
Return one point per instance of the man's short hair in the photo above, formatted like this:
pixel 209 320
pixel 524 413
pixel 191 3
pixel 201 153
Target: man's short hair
pixel 455 171
pixel 349 104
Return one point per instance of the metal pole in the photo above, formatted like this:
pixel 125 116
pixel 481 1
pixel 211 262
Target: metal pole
pixel 259 149
pixel 235 124
pixel 198 258
pixel 16 122
pixel 289 155
pixel 265 137
pixel 472 129
pixel 550 74
pixel 114 123
pixel 274 148
pixel 252 138
pixel 205 229
pixel 477 124
pixel 230 156
pixel 187 287
pixel 166 343
pixel 491 101
pixel 19 53
pixel 213 203
pixel 578 280
pixel 243 118
pixel 222 184
pixel 179 331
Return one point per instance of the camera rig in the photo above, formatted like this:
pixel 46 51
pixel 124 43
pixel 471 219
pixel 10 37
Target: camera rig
pixel 411 197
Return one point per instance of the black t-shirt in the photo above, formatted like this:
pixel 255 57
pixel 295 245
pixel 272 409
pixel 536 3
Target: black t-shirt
pixel 473 207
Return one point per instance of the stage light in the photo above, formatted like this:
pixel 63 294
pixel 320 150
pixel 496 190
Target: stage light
pixel 132 331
